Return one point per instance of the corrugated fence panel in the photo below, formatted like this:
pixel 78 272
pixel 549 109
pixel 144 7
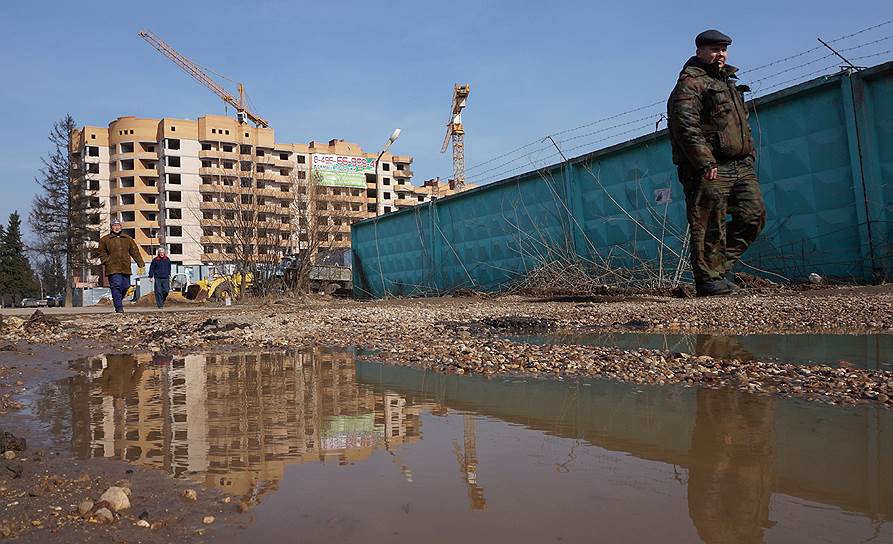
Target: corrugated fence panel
pixel 394 253
pixel 825 162
pixel 807 182
pixel 488 239
pixel 874 105
pixel 622 220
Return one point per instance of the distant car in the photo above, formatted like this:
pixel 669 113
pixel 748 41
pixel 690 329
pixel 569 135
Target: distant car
pixel 56 301
pixel 33 302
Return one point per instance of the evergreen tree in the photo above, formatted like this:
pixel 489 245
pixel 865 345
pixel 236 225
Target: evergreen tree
pixel 64 215
pixel 16 275
pixel 51 274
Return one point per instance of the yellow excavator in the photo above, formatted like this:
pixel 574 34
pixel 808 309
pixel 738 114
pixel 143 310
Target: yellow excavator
pixel 216 288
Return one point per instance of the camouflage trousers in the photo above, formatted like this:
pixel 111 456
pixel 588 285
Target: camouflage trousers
pixel 725 216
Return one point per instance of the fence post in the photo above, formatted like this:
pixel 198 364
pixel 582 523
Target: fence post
pixel 866 249
pixel 872 167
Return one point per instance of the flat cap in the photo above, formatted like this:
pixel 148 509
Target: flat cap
pixel 712 37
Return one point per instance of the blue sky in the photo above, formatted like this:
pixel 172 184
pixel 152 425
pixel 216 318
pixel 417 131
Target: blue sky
pixel 357 70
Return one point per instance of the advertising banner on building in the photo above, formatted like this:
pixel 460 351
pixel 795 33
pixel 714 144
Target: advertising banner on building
pixel 341 170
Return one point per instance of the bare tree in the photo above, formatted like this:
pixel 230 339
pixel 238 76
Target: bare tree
pixel 321 219
pixel 65 215
pixel 250 207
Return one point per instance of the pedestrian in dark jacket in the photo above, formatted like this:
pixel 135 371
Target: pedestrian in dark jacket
pixel 115 251
pixel 713 149
pixel 160 274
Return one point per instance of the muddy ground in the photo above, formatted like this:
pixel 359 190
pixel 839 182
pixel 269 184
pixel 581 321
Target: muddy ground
pixel 41 488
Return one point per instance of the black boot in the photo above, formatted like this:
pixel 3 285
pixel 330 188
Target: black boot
pixel 730 281
pixel 713 288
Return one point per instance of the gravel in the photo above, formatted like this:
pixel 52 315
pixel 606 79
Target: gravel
pixel 467 335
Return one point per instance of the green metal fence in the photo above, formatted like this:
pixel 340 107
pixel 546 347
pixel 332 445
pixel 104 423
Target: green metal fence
pixel 825 162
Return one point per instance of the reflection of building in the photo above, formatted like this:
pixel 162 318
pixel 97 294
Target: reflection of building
pixel 235 420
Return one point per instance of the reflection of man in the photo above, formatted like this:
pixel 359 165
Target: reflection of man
pixel 730 476
pixel 122 376
pixel 721 347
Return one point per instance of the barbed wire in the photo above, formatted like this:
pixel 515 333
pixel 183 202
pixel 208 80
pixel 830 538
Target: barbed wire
pixel 527 154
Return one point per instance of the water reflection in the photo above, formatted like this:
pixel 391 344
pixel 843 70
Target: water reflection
pixel 506 459
pixel 235 419
pixel 730 474
pixel 872 351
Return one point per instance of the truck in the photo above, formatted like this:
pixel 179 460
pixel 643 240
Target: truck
pixel 330 279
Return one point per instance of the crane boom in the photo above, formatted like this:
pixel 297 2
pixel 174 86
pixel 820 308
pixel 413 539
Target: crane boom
pixel 456 132
pixel 203 77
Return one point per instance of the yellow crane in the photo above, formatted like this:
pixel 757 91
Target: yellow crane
pixel 456 132
pixel 202 76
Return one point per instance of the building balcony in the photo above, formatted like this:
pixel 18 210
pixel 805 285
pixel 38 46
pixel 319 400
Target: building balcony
pixel 219 171
pixel 405 173
pixel 219 154
pixel 219 188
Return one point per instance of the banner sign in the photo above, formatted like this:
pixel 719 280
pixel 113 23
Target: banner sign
pixel 341 170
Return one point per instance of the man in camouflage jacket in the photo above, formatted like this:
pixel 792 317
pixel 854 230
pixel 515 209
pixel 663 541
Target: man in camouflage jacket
pixel 714 152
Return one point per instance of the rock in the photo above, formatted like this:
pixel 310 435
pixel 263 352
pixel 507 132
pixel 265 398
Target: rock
pixel 125 485
pixel 39 322
pixel 190 495
pixel 208 520
pixel 9 455
pixel 85 507
pixel 104 515
pixel 143 523
pixel 5 531
pixel 117 498
pixel 815 279
pixel 883 397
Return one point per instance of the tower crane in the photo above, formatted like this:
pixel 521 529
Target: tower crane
pixel 456 132
pixel 202 76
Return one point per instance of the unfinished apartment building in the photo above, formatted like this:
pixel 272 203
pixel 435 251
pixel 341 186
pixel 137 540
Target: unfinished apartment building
pixel 212 190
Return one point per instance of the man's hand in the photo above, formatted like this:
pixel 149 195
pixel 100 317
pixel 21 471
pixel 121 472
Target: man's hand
pixel 710 174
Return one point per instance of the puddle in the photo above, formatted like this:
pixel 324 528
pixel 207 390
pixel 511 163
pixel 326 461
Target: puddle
pixel 327 449
pixel 872 351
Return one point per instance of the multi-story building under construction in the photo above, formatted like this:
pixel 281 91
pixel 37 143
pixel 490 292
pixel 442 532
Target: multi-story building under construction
pixel 211 190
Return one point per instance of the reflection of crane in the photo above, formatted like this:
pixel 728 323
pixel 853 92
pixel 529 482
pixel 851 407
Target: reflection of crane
pixel 468 464
pixel 456 131
pixel 202 76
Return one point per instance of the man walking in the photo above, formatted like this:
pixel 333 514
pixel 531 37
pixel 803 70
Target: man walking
pixel 115 252
pixel 713 150
pixel 160 274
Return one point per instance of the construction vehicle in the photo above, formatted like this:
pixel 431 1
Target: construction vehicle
pixel 322 278
pixel 217 288
pixel 456 133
